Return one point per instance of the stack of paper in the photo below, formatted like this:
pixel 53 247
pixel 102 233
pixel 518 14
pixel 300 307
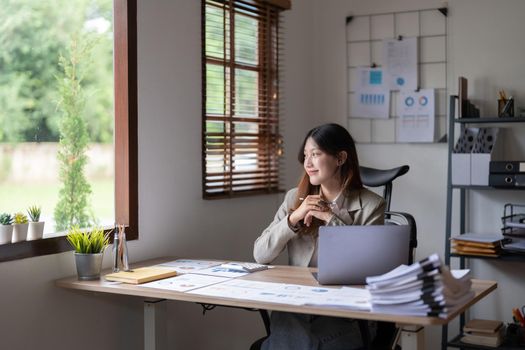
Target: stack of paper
pixel 515 245
pixel 483 332
pixel 425 288
pixel 477 244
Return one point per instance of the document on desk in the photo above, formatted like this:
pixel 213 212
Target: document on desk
pixel 292 294
pixel 346 297
pixel 221 272
pixel 189 265
pixel 185 282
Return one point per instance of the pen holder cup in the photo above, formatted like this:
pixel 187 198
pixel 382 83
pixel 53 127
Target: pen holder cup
pixel 506 108
pixel 515 335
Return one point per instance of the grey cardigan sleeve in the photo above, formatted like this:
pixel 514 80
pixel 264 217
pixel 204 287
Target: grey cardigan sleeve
pixel 275 237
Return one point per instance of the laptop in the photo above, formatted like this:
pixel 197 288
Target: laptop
pixel 349 254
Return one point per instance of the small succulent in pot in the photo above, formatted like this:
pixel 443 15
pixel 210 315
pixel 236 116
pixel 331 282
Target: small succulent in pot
pixel 20 218
pixel 6 228
pixel 36 227
pixel 6 219
pixel 19 228
pixel 34 213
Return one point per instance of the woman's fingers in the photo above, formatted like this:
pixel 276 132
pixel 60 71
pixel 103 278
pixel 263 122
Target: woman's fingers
pixel 312 203
pixel 321 215
pixel 307 219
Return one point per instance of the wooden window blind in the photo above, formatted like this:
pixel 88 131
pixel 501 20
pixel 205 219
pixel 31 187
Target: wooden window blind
pixel 240 70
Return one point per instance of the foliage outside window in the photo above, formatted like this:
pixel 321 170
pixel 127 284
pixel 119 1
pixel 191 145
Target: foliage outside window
pixel 56 110
pixel 241 142
pixel 110 109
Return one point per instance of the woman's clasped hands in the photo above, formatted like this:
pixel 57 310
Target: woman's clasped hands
pixel 313 206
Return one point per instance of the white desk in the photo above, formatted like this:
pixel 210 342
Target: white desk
pixel 155 300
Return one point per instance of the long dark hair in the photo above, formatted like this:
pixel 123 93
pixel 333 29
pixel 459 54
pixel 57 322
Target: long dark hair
pixel 332 139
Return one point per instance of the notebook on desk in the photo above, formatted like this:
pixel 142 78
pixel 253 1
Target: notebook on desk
pixel 348 254
pixel 141 275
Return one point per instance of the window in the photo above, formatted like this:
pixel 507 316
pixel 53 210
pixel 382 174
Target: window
pixel 125 142
pixel 240 132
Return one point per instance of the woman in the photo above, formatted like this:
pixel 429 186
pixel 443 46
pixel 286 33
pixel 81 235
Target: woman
pixel 330 192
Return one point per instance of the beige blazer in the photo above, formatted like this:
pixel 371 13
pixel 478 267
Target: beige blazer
pixel 361 207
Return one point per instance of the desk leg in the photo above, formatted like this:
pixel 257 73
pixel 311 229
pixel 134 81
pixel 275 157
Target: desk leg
pixel 154 324
pixel 413 337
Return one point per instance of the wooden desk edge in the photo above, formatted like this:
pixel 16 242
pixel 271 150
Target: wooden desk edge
pixel 481 287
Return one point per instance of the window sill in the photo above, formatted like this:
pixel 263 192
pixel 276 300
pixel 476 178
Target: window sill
pixel 28 249
pixel 44 246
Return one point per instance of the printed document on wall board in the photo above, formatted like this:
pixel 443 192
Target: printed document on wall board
pixel 416 111
pixel 400 60
pixel 371 98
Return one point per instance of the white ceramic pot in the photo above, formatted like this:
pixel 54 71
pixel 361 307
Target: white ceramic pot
pixel 6 233
pixel 19 232
pixel 35 231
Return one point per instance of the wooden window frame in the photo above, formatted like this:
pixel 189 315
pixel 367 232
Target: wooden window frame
pixel 126 155
pixel 265 177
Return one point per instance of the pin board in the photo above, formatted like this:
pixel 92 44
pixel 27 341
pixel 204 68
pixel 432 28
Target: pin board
pixel 365 40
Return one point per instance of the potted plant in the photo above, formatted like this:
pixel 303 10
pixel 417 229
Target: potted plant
pixel 6 228
pixel 19 228
pixel 89 251
pixel 36 227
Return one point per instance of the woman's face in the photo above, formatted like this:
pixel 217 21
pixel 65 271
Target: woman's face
pixel 321 167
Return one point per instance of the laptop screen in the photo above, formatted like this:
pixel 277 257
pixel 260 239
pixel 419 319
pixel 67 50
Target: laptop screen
pixel 349 254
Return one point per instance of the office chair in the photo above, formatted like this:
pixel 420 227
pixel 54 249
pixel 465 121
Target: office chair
pixel 387 332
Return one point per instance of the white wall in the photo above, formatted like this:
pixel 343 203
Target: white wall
pixel 174 220
pixel 486 45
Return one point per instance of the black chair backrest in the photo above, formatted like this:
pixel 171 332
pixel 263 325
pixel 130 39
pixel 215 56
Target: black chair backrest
pixel 378 177
pixel 372 177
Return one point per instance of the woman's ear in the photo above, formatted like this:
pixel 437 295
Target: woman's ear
pixel 342 157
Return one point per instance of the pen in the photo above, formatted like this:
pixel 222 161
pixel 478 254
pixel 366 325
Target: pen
pixel 506 108
pixel 320 201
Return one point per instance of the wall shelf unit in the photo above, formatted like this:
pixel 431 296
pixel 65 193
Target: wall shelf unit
pixel 463 190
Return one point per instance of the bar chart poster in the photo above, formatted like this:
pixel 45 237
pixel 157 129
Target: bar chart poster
pixel 370 99
pixel 370 103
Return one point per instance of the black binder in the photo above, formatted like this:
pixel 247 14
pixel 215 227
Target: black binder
pixel 507 167
pixel 507 180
